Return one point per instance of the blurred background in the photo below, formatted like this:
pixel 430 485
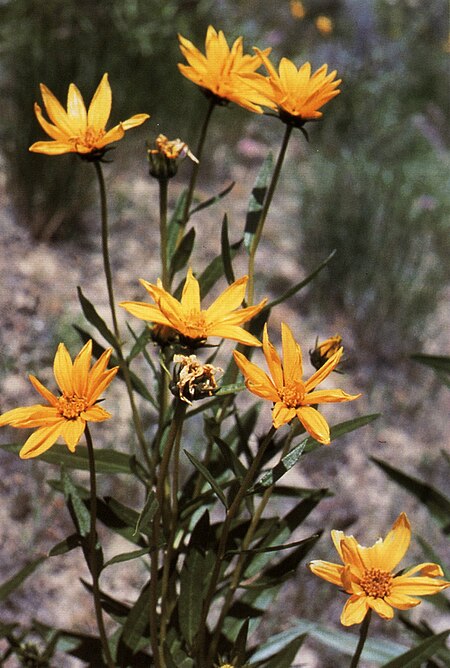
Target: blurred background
pixel 372 183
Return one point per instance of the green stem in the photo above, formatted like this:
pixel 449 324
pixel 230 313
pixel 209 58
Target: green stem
pixel 109 284
pixel 163 188
pixel 176 425
pixel 92 551
pixel 363 631
pixel 221 551
pixel 195 169
pixel 264 212
pixel 105 250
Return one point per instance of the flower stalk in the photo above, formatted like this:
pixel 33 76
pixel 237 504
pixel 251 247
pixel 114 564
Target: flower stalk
pixel 92 552
pixel 363 632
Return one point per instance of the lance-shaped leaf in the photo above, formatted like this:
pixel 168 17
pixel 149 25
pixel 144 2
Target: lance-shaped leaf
pixel 213 200
pixel 256 202
pixel 97 321
pixel 175 224
pixel 135 631
pixel 216 268
pixel 193 581
pixel 207 476
pixel 7 587
pixel 285 657
pixel 144 522
pixel 437 504
pixel 439 363
pixel 415 657
pixel 182 254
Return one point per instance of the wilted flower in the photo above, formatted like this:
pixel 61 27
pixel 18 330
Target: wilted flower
pixel 223 72
pixel 367 574
pixel 193 380
pixel 297 94
pixel 324 350
pixel 290 394
pixel 164 158
pixel 65 416
pixel 193 324
pixel 77 130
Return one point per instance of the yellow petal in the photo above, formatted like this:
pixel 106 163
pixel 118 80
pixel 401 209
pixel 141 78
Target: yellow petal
pixel 52 131
pixel 387 554
pixel 256 380
pixel 56 112
pixel 272 359
pixel 76 109
pixel 40 441
pixel 418 586
pixel 228 301
pixel 115 134
pixel 381 607
pixel 102 384
pixel 281 414
pixel 234 333
pixel 329 397
pixel 148 312
pixel 51 147
pixel 354 610
pixel 401 601
pixel 428 569
pixel 96 414
pixel 81 365
pixel 314 423
pixel 71 431
pixel 324 371
pixel 100 107
pixel 134 121
pixel 337 537
pixel 327 571
pixel 190 298
pixel 292 355
pixel 16 416
pixel 48 396
pixel 62 368
pixel 241 315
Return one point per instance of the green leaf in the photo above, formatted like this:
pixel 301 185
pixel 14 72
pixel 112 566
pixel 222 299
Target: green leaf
pixel 215 270
pixel 278 471
pixel 295 288
pixel 415 657
pixel 183 252
pixel 438 505
pixel 256 201
pixel 80 514
pixel 126 556
pixel 106 461
pixel 147 513
pixel 136 627
pixel 93 317
pixel 285 657
pixel 212 200
pixel 70 543
pixel 438 363
pixel 175 224
pixel 190 602
pixel 208 477
pixel 226 251
pixel 140 342
pixel 7 588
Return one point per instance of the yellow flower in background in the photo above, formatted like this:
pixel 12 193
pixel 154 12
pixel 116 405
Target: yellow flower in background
pixel 292 397
pixel 324 25
pixel 193 324
pixel 297 9
pixel 296 93
pixel 324 350
pixel 367 574
pixel 224 72
pixel 78 130
pixel 65 416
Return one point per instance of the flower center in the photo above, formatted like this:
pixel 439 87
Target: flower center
pixel 376 583
pixel 89 139
pixel 292 395
pixel 195 325
pixel 71 407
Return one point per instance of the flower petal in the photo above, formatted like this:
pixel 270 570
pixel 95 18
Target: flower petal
pixel 41 440
pixel 234 333
pixel 314 423
pixel 148 312
pixel 56 112
pixel 80 372
pixel 228 301
pixel 134 121
pixel 273 360
pixel 381 607
pixel 71 431
pixel 324 370
pixel 328 397
pixel 327 571
pixel 190 298
pixel 95 414
pixel 51 147
pixel 256 380
pixel 76 109
pixel 281 414
pixel 292 356
pixel 354 610
pixel 62 369
pixel 100 107
pixel 48 396
pixel 52 131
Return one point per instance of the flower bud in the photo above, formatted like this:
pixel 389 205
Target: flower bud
pixel 165 157
pixel 324 350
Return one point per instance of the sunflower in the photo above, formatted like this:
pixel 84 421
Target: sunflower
pixel 64 416
pixel 292 397
pixel 77 130
pixel 222 72
pixel 366 573
pixel 193 324
pixel 296 94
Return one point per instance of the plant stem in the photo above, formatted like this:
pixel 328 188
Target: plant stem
pixel 175 428
pixel 195 168
pixel 362 639
pixel 163 188
pixel 231 512
pixel 264 212
pixel 109 284
pixel 93 563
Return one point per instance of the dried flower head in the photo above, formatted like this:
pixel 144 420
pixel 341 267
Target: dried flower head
pixel 193 380
pixel 165 156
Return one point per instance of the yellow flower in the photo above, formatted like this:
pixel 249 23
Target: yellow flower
pixel 296 93
pixel 224 72
pixel 77 130
pixel 65 416
pixel 290 394
pixel 366 574
pixel 324 350
pixel 193 324
pixel 324 25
